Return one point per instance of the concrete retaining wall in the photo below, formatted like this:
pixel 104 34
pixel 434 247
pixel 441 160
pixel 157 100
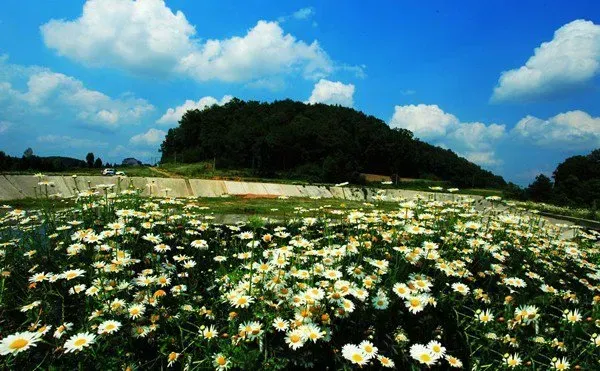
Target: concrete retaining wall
pixel 23 186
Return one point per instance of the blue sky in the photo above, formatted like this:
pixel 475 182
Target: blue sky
pixel 513 86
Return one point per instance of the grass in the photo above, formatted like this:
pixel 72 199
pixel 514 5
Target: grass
pixel 204 170
pixel 278 207
pixel 236 205
pixel 141 171
pixel 480 192
pixel 580 213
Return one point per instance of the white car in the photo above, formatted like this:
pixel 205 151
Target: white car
pixel 108 171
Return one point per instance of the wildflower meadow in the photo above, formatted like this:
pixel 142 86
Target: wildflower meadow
pixel 119 281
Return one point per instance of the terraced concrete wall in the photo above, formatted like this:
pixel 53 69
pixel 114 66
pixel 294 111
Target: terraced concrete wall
pixel 23 186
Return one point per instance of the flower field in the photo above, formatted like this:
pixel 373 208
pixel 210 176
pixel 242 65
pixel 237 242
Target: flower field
pixel 119 281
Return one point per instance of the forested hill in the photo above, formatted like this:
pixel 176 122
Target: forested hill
pixel 317 142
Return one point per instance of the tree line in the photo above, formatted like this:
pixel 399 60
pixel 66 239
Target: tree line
pixel 30 162
pixel 576 182
pixel 315 142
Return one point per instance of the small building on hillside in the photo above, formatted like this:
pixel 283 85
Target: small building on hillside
pixel 130 161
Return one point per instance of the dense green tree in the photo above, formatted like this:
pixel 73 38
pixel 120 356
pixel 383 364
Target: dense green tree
pixel 514 192
pixel 28 152
pixel 89 158
pixel 52 163
pixel 577 180
pixel 316 142
pixel 541 189
pixel 98 163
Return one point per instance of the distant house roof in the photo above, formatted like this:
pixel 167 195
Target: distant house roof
pixel 130 161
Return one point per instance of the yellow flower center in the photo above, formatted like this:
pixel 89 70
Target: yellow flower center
pixel 221 361
pixel 356 357
pixel 18 344
pixel 79 342
pixel 295 338
pixel 425 358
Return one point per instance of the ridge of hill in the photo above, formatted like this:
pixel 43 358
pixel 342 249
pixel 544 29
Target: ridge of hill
pixel 316 142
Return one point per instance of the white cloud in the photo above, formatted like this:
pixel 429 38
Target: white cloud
pixel 574 130
pixel 4 126
pixel 150 138
pixel 357 70
pixel 300 14
pixel 475 141
pixel 265 50
pixel 173 115
pixel 569 60
pixel 147 37
pixel 330 92
pixel 483 158
pixel 67 141
pixel 50 92
pixel 476 135
pixel 142 36
pixel 304 13
pixel 425 121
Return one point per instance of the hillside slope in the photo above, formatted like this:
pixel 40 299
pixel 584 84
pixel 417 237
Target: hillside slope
pixel 316 142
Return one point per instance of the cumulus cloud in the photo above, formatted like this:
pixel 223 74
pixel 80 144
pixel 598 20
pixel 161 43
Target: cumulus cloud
pixel 568 61
pixel 574 130
pixel 173 115
pixel 483 158
pixel 475 141
pixel 476 135
pixel 425 121
pixel 146 36
pixel 67 141
pixel 330 92
pixel 150 138
pixel 50 92
pixel 265 50
pixel 141 36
